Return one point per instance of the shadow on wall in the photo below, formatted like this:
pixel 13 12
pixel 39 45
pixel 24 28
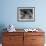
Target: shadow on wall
pixel 2 26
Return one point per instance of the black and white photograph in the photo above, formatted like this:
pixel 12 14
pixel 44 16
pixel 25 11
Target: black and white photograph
pixel 26 14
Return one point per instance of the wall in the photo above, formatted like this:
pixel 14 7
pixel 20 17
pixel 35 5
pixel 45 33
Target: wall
pixel 9 13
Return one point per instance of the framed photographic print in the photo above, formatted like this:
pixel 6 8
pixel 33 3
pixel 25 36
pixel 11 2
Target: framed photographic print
pixel 26 14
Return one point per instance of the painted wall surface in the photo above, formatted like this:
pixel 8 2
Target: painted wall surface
pixel 8 13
